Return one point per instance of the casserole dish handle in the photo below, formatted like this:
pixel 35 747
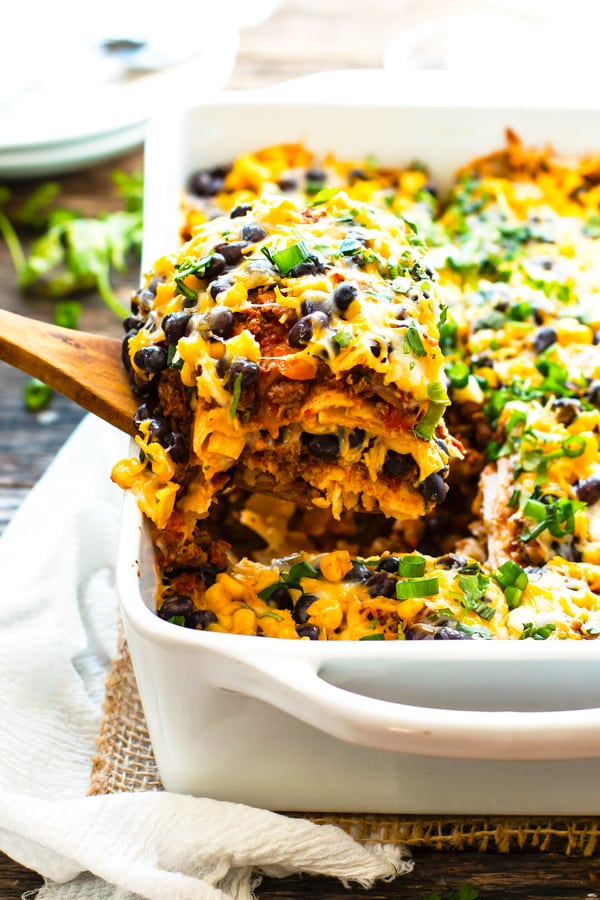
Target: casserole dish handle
pixel 297 689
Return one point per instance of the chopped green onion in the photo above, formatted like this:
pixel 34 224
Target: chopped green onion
pixel 426 427
pixel 412 566
pixel 414 342
pixel 536 510
pixel 424 587
pixel 350 247
pixel 513 596
pixel 541 633
pixel 177 620
pixel 270 615
pixel 342 338
pixel 378 636
pixel 270 589
pixel 37 395
pixel 574 446
pixel 458 374
pixel 437 392
pixel 514 498
pixel 510 574
pixel 324 195
pixel 67 313
pixel 237 392
pixel 288 258
pixel 302 569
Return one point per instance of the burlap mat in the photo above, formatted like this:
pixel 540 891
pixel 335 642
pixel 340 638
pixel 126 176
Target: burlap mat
pixel 125 762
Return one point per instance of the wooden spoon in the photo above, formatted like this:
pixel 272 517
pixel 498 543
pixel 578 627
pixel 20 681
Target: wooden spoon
pixel 87 368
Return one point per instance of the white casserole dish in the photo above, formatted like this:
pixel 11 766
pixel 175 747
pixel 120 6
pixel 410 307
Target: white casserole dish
pixel 468 727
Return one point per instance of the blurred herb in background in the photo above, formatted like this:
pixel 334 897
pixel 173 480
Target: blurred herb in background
pixel 465 892
pixel 70 253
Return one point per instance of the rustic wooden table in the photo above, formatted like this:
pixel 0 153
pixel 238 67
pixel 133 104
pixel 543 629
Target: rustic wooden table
pixel 303 36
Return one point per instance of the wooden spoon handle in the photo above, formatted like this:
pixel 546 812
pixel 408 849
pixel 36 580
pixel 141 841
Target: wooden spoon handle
pixel 87 368
pixel 84 367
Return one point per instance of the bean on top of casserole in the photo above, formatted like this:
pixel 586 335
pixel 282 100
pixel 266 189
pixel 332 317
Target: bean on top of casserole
pixel 416 377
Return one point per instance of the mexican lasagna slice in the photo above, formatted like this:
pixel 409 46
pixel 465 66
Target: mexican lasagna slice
pixel 293 349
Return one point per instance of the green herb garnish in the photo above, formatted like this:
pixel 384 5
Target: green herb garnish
pixel 236 394
pixel 37 395
pixel 541 633
pixel 425 429
pixel 412 566
pixel 287 259
pixel 418 587
pixel 414 342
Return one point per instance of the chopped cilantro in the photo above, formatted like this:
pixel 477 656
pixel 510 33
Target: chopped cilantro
pixel 414 342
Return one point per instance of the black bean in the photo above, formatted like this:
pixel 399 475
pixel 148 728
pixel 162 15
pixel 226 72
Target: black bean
pixel 125 359
pixel 241 210
pixel 181 605
pixel 282 598
pixel 175 325
pixel 309 631
pixel 375 348
pixel 206 183
pixel 287 183
pixel 176 446
pixel 344 294
pixel 566 550
pixel 544 338
pixel 142 387
pixel 247 369
pixel 596 337
pixel 452 561
pixel 567 409
pixel 312 265
pixel 151 358
pixel 144 299
pixel 379 584
pixel 300 611
pixel 216 266
pixel 132 324
pixel 397 464
pixel 389 564
pixel 143 412
pixel 358 175
pixel 310 306
pixel 588 489
pixel 434 488
pixel 208 575
pixel 253 232
pixel 356 438
pixel 200 618
pixel 300 334
pixel 420 631
pixel 323 446
pixel 445 633
pixel 315 175
pixel 232 252
pixel 358 572
pixel 593 392
pixel 218 286
pixel 220 321
pixel 158 428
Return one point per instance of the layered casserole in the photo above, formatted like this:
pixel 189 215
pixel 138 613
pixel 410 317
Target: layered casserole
pixel 412 379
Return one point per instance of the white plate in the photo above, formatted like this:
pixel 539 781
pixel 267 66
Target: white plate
pixel 82 115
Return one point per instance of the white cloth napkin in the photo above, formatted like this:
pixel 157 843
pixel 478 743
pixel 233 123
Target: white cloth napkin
pixel 58 615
